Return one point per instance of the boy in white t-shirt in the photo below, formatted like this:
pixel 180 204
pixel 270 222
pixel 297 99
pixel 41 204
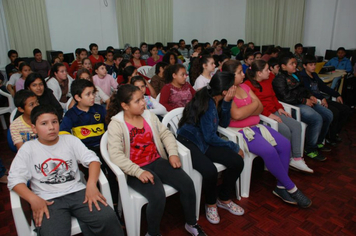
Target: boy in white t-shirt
pixel 50 164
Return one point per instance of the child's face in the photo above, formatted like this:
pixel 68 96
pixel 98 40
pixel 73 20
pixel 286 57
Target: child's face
pixel 62 73
pixel 87 64
pixel 208 45
pixel 198 50
pixel 310 67
pixel 94 50
pixel 172 60
pixel 47 128
pixel 218 47
pixel 264 74
pixel 144 48
pixel 182 44
pixel 30 103
pixel 117 61
pixel 13 57
pixel 141 85
pixel 101 71
pixel 137 54
pixel 128 51
pixel 61 57
pixel 85 76
pixel 38 57
pixel 258 56
pixel 210 65
pixel 275 69
pixel 239 45
pixel 154 51
pixel 83 55
pixel 291 66
pixel 37 87
pixel 137 104
pixel 181 76
pixel 195 43
pixel 251 45
pixel 109 57
pixel 299 50
pixel 249 60
pixel 26 70
pixel 87 97
pixel 341 54
pixel 239 76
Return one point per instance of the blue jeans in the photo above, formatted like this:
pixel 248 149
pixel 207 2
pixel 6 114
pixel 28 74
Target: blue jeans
pixel 318 119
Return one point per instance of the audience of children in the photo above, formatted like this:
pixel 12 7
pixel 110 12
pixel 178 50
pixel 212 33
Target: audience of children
pixel 39 65
pixel 218 49
pixel 194 43
pixel 95 57
pixel 248 59
pixel 59 82
pixel 80 53
pixel 236 50
pixel 262 140
pixel 11 68
pixel 260 82
pixel 257 55
pixel 341 62
pixel 25 70
pixel 138 143
pixel 298 54
pixel 10 85
pixel 109 63
pixel 56 190
pixel 202 71
pixel 197 131
pixel 127 52
pixel 177 92
pixel 182 49
pixel 135 60
pixel 289 88
pixel 170 58
pixel 155 58
pixel 103 80
pixel 86 64
pixel 144 51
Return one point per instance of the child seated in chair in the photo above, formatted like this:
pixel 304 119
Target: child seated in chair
pixel 136 143
pixel 50 163
pixel 20 129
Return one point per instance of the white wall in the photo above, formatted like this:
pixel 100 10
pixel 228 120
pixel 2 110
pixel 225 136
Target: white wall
pixel 77 23
pixel 329 24
pixel 207 20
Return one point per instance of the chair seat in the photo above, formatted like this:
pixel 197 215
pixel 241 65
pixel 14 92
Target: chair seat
pixel 168 189
pixel 75 227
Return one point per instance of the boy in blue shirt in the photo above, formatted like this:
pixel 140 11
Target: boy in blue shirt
pixel 340 62
pixel 50 163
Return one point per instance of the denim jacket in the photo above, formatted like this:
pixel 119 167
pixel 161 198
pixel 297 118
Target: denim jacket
pixel 204 134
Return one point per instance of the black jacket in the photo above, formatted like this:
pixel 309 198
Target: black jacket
pixel 290 90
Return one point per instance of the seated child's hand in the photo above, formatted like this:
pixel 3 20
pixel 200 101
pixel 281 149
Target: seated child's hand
pixel 146 177
pixel 93 195
pixel 39 207
pixel 175 161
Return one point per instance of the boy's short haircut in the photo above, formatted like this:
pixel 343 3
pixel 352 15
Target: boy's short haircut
pixel 9 53
pixel 194 40
pixel 77 51
pixel 341 49
pixel 250 43
pixel 118 55
pixel 36 50
pixel 18 60
pixel 108 51
pixel 143 43
pixel 181 40
pixel 240 41
pixel 92 45
pixel 272 62
pixel 298 45
pixel 82 50
pixel 308 59
pixel 110 48
pixel 248 54
pixel 21 97
pixel 42 109
pixel 159 65
pixel 78 87
pixel 159 45
pixel 223 41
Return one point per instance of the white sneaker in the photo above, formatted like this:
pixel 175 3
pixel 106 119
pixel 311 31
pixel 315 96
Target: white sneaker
pixel 300 165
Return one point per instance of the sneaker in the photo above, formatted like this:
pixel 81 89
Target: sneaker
pixel 322 148
pixel 284 195
pixel 195 230
pixel 212 214
pixel 315 155
pixel 232 207
pixel 331 142
pixel 300 165
pixel 302 200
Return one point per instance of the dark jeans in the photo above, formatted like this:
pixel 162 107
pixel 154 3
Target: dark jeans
pixel 164 173
pixel 204 164
pixel 341 113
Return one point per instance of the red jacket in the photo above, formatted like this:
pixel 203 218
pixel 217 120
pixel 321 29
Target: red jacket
pixel 267 96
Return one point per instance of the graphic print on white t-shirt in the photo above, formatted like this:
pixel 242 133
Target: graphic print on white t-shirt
pixel 55 171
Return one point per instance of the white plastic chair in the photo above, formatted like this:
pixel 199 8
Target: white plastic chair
pixel 4 110
pixel 144 70
pixel 249 157
pixel 158 97
pixel 21 223
pixel 296 110
pixel 13 114
pixel 132 201
pixel 171 120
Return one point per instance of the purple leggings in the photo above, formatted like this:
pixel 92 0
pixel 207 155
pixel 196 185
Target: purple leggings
pixel 276 158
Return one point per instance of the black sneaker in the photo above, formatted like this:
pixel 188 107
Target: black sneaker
pixel 302 200
pixel 321 147
pixel 284 195
pixel 315 155
pixel 195 230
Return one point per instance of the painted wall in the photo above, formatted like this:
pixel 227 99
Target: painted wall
pixel 77 23
pixel 329 24
pixel 207 20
